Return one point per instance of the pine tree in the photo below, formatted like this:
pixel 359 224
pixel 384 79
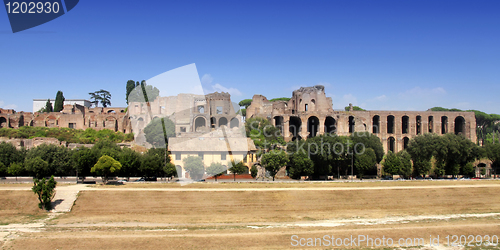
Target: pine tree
pixel 130 87
pixel 59 103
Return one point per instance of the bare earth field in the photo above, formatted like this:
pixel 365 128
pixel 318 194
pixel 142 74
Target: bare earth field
pixel 19 207
pixel 265 216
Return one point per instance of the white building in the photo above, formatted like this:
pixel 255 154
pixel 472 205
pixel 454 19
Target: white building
pixel 40 103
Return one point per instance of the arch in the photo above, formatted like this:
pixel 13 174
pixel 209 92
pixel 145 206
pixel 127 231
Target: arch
pixel 418 121
pixel 312 126
pixel 222 121
pixel 199 123
pixel 444 124
pixel 201 109
pixel 431 124
pixel 111 111
pixel 294 127
pixel 330 125
pixel 278 123
pixel 352 123
pixel 390 124
pixel 3 122
pixel 376 124
pixel 459 125
pixel 234 123
pixel 406 141
pixel 122 111
pixel 391 144
pixel 405 127
pixel 213 122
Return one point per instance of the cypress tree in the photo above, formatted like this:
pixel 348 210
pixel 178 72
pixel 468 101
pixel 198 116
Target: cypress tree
pixel 130 87
pixel 59 103
pixel 48 106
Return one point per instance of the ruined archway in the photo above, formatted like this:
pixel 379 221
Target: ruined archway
pixel 199 124
pixel 390 124
pixel 418 121
pixel 278 123
pixel 459 125
pixel 444 124
pixel 405 120
pixel 406 141
pixel 294 127
pixel 222 121
pixel 352 123
pixel 3 122
pixel 330 125
pixel 312 126
pixel 391 144
pixel 234 123
pixel 431 124
pixel 376 124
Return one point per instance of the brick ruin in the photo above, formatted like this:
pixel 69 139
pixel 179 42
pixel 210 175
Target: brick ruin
pixel 309 113
pixel 72 116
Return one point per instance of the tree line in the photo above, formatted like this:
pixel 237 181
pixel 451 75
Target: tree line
pixel 47 159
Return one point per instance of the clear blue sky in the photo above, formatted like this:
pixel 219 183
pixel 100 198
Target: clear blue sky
pixel 390 55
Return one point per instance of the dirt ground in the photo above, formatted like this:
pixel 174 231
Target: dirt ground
pixel 241 217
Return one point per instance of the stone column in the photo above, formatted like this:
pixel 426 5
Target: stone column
pixel 286 128
pixel 321 127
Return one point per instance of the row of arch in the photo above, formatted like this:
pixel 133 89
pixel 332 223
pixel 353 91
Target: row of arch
pixel 200 122
pixel 391 143
pixel 405 124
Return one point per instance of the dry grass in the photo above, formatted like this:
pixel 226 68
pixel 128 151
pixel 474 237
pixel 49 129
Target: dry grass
pixel 276 206
pixel 19 207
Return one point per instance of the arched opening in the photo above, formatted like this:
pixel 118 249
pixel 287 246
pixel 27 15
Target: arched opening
pixel 418 121
pixel 294 127
pixel 406 140
pixel 390 124
pixel 234 123
pixel 201 109
pixel 278 123
pixel 140 124
pixel 376 124
pixel 444 125
pixel 330 125
pixel 459 125
pixel 313 105
pixel 3 122
pixel 305 107
pixel 213 122
pixel 199 124
pixel 391 144
pixel 312 126
pixel 351 124
pixel 404 124
pixel 111 111
pixel 431 124
pixel 222 121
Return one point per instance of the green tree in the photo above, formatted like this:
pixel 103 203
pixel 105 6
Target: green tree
pixel 274 160
pixel 254 171
pixel 152 162
pixel 364 162
pixel 83 159
pixel 216 169
pixel 158 131
pixel 9 154
pixel 286 99
pixel 194 165
pixel 237 168
pixel 48 107
pixel 355 108
pixel 106 166
pixel 406 166
pixel 45 190
pixel 170 170
pixel 392 164
pixel 58 158
pixel 245 103
pixel 300 165
pixel 131 162
pixel 15 169
pixel 59 102
pixel 3 169
pixel 37 167
pixel 130 88
pixel 102 96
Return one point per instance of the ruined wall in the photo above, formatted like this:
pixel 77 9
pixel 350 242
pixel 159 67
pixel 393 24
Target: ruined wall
pixel 309 113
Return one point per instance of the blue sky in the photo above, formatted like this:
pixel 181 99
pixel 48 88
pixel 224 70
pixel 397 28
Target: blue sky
pixel 388 55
